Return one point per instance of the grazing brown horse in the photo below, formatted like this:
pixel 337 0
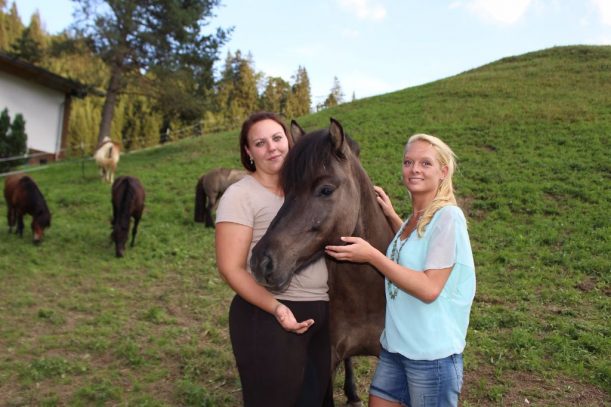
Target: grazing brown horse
pixel 209 189
pixel 107 157
pixel 328 194
pixel 23 197
pixel 127 202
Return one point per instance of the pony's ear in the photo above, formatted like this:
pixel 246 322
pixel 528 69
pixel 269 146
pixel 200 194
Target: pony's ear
pixel 338 138
pixel 296 131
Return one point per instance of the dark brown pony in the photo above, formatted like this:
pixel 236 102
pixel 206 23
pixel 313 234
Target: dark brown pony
pixel 23 197
pixel 209 189
pixel 127 202
pixel 328 194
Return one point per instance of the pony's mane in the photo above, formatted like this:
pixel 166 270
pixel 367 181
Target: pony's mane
pixel 308 159
pixel 127 192
pixel 37 200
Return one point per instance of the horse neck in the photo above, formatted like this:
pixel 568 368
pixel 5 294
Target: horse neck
pixel 372 224
pixel 234 176
pixel 36 199
pixel 124 209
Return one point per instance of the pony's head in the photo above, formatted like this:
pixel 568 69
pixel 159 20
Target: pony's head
pixel 119 236
pixel 320 178
pixel 40 221
pixel 41 216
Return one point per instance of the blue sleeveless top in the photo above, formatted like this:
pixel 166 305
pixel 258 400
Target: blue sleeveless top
pixel 422 331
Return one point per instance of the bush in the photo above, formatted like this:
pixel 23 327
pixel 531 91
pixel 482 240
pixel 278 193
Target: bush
pixel 13 141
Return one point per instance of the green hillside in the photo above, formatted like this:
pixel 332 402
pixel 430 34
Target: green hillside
pixel 532 133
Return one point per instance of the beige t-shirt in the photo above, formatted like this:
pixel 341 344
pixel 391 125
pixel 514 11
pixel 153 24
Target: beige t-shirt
pixel 250 204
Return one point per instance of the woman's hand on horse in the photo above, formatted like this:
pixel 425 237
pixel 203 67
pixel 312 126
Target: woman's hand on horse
pixel 356 250
pixel 285 317
pixel 384 201
pixel 386 205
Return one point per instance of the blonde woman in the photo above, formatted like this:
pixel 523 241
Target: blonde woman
pixel 430 284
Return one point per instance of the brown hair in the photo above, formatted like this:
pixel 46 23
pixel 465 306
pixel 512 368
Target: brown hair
pixel 247 125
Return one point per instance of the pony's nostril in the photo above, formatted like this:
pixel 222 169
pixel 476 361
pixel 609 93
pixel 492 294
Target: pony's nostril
pixel 267 267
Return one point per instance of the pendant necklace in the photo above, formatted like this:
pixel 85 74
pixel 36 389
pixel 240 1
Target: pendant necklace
pixel 393 290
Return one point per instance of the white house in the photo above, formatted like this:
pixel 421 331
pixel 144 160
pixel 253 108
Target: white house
pixel 43 98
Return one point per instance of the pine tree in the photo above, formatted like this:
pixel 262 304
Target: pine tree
pixel 300 99
pixel 13 140
pixel 336 96
pixel 29 45
pixel 4 44
pixel 237 95
pixel 275 95
pixel 5 125
pixel 18 140
pixel 14 26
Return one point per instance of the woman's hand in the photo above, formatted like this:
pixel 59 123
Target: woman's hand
pixel 285 317
pixel 384 201
pixel 386 205
pixel 357 250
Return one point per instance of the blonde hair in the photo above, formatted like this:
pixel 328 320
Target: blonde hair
pixel 445 192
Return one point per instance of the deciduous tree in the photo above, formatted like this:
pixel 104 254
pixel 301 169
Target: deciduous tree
pixel 139 37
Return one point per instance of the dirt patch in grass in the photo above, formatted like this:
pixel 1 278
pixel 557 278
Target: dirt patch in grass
pixel 485 388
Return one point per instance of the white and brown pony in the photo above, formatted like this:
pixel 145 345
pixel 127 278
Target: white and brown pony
pixel 107 157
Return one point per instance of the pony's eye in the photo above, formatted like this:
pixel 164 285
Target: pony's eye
pixel 326 190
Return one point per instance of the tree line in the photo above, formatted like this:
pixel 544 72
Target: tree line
pixel 155 64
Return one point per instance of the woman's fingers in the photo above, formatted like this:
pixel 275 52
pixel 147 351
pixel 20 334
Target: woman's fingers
pixel 303 326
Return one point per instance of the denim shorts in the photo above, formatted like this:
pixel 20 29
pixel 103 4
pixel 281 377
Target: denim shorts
pixel 418 383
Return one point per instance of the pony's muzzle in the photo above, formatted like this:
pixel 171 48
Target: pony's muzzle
pixel 263 270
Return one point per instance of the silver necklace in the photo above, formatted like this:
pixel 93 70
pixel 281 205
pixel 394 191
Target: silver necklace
pixel 393 290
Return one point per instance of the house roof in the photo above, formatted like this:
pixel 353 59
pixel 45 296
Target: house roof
pixel 27 71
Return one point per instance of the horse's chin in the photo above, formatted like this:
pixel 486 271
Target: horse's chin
pixel 276 287
pixel 280 289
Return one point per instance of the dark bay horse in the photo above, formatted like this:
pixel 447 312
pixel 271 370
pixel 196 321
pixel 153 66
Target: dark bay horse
pixel 209 189
pixel 328 194
pixel 22 197
pixel 127 202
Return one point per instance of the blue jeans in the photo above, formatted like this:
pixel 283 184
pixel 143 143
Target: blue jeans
pixel 418 383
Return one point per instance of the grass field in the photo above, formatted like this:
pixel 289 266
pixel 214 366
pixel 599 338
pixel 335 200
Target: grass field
pixel 79 327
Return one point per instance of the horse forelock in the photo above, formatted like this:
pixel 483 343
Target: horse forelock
pixel 308 160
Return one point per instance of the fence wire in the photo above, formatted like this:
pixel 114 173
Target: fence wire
pixel 72 152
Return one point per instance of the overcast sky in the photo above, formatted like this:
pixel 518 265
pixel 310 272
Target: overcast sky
pixel 379 46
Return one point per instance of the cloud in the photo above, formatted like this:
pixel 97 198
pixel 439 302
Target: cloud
pixel 604 9
pixel 350 33
pixel 505 12
pixel 364 9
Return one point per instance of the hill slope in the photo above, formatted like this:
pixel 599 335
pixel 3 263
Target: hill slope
pixel 532 136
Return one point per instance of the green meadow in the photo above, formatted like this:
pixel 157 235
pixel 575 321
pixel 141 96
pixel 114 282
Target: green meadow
pixel 79 327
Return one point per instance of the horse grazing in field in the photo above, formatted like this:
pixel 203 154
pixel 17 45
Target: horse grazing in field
pixel 127 202
pixel 107 157
pixel 328 194
pixel 209 189
pixel 23 197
